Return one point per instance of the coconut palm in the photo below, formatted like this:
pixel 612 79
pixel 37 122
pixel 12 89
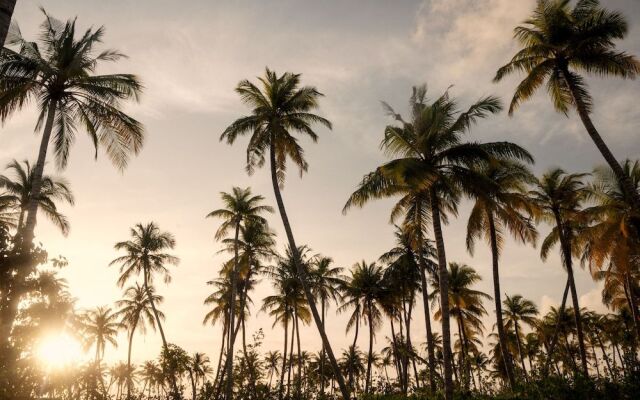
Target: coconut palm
pixel 241 207
pixel 559 197
pixel 145 254
pixel 558 43
pixel 197 368
pixel 99 327
pixel 363 292
pixel 271 362
pixel 18 189
pixel 135 312
pixel 466 306
pixel 279 109
pixel 612 240
pixel 434 157
pixel 59 72
pixel 503 206
pixel 517 309
pixel 326 281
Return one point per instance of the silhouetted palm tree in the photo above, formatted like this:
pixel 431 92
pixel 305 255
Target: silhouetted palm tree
pixel 518 309
pixel 99 327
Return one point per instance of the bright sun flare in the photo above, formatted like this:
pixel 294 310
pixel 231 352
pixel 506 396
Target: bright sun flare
pixel 59 350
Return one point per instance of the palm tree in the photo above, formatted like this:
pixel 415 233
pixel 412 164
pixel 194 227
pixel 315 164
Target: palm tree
pixel 271 361
pixel 433 157
pixel 503 206
pixel 559 197
pixel 145 254
pixel 612 241
pixel 150 373
pixel 466 306
pixel 364 292
pixel 279 109
pixel 6 11
pixel 241 207
pixel 18 189
pixel 518 309
pixel 100 326
pixel 135 311
pixel 558 43
pixel 59 72
pixel 198 368
pixel 326 282
pixel 352 361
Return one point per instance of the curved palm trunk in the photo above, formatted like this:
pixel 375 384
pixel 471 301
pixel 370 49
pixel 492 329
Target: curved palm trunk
pixel 600 144
pixel 174 384
pixel 229 391
pixel 443 281
pixel 355 340
pixel 427 322
pixel 367 383
pixel 193 384
pixel 556 332
pixel 565 243
pixel 524 370
pixel 129 380
pixel 299 382
pixel 303 276
pixel 502 337
pixel 322 310
pixel 225 331
pixel 6 11
pixel 293 338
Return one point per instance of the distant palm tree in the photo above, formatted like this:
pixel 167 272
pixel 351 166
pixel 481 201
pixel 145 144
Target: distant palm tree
pixel 518 309
pixel 145 254
pixel 241 207
pixel 150 374
pixel 100 326
pixel 135 311
pixel 198 368
pixel 59 72
pixel 502 206
pixel 558 42
pixel 559 197
pixel 364 292
pixel 280 108
pixel 271 361
pixel 432 156
pixel 18 190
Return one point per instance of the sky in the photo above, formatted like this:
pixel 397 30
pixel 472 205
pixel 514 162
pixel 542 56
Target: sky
pixel 191 55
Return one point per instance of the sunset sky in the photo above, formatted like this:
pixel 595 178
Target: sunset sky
pixel 191 54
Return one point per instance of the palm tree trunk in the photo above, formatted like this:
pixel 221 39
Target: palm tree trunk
pixel 600 144
pixel 443 282
pixel 604 354
pixel 129 382
pixel 303 275
pixel 293 337
pixel 284 358
pixel 193 385
pixel 427 322
pixel 299 382
pixel 556 331
pixel 322 310
pixel 633 305
pixel 6 11
pixel 502 337
pixel 524 369
pixel 565 242
pixel 174 384
pixel 367 383
pixel 232 303
pixel 225 331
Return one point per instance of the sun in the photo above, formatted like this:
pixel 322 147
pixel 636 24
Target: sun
pixel 59 350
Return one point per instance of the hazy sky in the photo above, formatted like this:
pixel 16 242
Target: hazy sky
pixel 191 54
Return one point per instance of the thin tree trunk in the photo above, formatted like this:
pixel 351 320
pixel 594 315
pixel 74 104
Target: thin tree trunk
pixel 293 337
pixel 599 142
pixel 6 11
pixel 443 282
pixel 604 354
pixel 299 382
pixel 524 369
pixel 427 322
pixel 232 305
pixel 502 337
pixel 367 383
pixel 223 345
pixel 193 385
pixel 633 305
pixel 355 340
pixel 303 275
pixel 322 306
pixel 129 381
pixel 284 358
pixel 556 331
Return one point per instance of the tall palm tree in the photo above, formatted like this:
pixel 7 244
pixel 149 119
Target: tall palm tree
pixel 517 309
pixel 433 156
pixel 364 292
pixel 559 197
pixel 135 312
pixel 59 72
pixel 502 206
pixel 145 254
pixel 18 190
pixel 558 43
pixel 612 242
pixel 100 326
pixel 326 282
pixel 279 109
pixel 241 207
pixel 466 306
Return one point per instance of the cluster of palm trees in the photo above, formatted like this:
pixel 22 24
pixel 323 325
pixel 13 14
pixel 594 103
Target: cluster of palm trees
pixel 434 167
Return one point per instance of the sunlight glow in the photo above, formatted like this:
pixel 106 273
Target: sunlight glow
pixel 59 350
